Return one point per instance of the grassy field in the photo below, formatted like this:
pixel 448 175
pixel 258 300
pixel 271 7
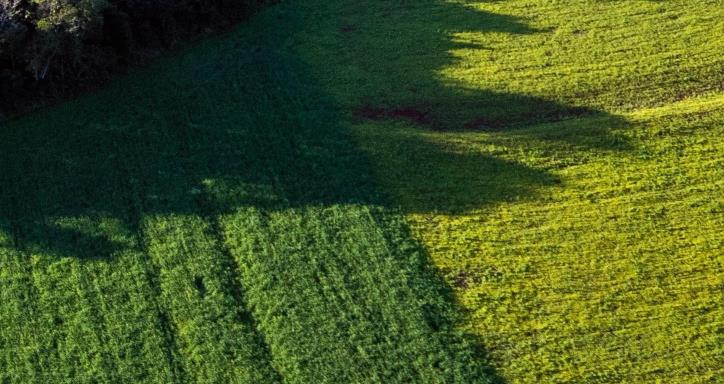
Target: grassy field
pixel 372 191
pixel 211 220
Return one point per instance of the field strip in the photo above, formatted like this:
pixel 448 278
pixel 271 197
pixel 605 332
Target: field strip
pixel 82 320
pixel 215 337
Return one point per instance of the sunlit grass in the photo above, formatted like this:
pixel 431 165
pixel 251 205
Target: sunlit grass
pixel 610 272
pixel 275 204
pixel 586 248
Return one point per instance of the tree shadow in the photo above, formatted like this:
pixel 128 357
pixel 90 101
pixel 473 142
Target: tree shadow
pixel 426 176
pixel 242 121
pixel 259 121
pixel 384 62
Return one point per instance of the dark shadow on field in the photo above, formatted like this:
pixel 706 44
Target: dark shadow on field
pixel 241 121
pixel 250 114
pixel 391 70
pixel 385 59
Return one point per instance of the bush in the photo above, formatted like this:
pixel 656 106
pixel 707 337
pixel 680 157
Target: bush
pixel 51 46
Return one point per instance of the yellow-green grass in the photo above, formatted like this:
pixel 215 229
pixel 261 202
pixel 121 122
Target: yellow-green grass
pixel 562 163
pixel 609 270
pixel 272 205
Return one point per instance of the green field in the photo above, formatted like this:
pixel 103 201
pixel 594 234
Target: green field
pixel 374 191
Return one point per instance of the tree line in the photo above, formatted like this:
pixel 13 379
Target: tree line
pixel 48 47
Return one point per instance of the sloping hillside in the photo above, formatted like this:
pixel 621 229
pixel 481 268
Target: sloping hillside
pixel 210 220
pixel 372 191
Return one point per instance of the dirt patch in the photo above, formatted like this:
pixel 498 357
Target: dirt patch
pixel 411 114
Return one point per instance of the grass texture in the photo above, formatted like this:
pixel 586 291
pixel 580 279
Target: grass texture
pixel 561 163
pixel 373 191
pixel 210 220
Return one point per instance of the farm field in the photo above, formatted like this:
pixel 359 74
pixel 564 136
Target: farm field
pixel 381 192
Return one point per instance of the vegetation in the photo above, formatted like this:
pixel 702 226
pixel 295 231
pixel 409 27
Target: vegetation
pixel 210 220
pixel 373 191
pixel 49 47
pixel 562 164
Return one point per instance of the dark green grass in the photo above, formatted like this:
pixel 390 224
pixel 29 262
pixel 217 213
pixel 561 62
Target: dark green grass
pixel 210 220
pixel 214 218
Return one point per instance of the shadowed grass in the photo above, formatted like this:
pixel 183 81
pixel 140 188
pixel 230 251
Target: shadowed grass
pixel 234 213
pixel 563 172
pixel 216 203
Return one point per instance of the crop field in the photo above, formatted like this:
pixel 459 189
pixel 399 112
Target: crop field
pixel 373 191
